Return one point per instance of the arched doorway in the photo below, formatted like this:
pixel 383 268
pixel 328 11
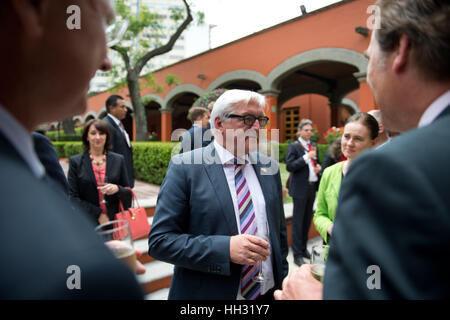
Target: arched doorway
pixel 154 119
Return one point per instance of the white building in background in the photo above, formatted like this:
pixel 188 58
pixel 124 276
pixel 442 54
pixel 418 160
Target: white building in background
pixel 192 41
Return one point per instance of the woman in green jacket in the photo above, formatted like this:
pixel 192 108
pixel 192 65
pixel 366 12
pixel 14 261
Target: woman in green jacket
pixel 359 135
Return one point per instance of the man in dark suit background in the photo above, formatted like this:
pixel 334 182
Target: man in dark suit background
pixel 194 138
pixel 211 229
pixel 121 143
pixel 302 163
pixel 43 241
pixel 392 230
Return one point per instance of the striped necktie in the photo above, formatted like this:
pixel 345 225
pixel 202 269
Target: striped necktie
pixel 250 289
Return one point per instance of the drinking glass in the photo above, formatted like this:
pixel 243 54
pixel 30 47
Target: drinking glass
pixel 260 276
pixel 105 181
pixel 117 237
pixel 319 255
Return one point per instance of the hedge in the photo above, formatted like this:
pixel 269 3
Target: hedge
pixel 54 136
pixel 321 151
pixel 151 159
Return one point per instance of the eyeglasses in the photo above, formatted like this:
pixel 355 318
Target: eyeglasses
pixel 115 32
pixel 249 119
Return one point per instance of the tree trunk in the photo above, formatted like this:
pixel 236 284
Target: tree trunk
pixel 140 116
pixel 68 126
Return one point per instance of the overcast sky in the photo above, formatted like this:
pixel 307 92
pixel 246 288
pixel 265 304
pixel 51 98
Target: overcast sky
pixel 234 19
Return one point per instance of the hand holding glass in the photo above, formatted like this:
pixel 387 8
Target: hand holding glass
pixel 117 237
pixel 319 255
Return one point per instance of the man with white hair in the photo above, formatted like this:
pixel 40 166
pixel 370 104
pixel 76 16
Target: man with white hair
pixel 218 219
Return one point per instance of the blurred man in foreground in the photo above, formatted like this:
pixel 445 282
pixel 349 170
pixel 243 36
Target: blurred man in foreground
pixel 392 229
pixel 48 250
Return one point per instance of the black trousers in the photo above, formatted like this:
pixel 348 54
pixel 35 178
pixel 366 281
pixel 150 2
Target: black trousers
pixel 301 220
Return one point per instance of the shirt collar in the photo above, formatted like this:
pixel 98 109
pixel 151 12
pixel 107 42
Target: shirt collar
pixel 435 109
pixel 117 121
pixel 226 157
pixel 21 140
pixel 305 143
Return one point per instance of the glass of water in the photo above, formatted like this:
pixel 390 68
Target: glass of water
pixel 319 255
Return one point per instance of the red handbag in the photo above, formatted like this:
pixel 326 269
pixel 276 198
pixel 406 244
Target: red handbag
pixel 136 217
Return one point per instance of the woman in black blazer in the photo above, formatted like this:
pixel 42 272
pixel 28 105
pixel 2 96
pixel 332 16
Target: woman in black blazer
pixel 99 196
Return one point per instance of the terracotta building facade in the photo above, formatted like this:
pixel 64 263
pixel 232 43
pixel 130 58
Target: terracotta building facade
pixel 311 67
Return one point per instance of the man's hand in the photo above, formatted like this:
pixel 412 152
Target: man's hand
pixel 140 268
pixel 317 169
pixel 247 249
pixel 312 154
pixel 300 285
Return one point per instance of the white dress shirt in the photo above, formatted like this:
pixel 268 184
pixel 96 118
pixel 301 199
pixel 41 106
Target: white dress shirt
pixel 435 109
pixel 312 175
pixel 21 140
pixel 120 125
pixel 259 204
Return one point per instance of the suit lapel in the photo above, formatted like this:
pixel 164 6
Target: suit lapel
pixel 117 128
pixel 216 175
pixel 109 164
pixel 86 161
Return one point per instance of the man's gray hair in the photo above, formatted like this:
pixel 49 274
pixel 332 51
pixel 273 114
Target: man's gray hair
pixel 304 122
pixel 230 99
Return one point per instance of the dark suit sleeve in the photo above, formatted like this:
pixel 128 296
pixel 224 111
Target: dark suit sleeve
pixel 47 155
pixel 170 240
pixel 74 193
pixel 294 159
pixel 380 222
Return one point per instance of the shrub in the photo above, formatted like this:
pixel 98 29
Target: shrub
pixel 209 97
pixel 61 136
pixel 151 160
pixel 333 133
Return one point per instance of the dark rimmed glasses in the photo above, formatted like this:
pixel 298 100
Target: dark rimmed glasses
pixel 249 119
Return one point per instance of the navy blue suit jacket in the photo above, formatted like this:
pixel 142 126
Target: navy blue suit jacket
pixel 394 217
pixel 41 236
pixel 49 159
pixel 195 219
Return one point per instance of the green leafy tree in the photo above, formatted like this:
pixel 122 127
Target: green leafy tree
pixel 147 28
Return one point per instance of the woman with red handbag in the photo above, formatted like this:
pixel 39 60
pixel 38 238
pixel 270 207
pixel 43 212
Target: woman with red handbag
pixel 98 177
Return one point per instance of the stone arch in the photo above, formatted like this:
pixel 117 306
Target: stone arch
pixel 352 104
pixel 178 91
pixel 314 56
pixel 77 119
pixel 156 98
pixel 232 76
pixel 89 115
pixel 102 113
